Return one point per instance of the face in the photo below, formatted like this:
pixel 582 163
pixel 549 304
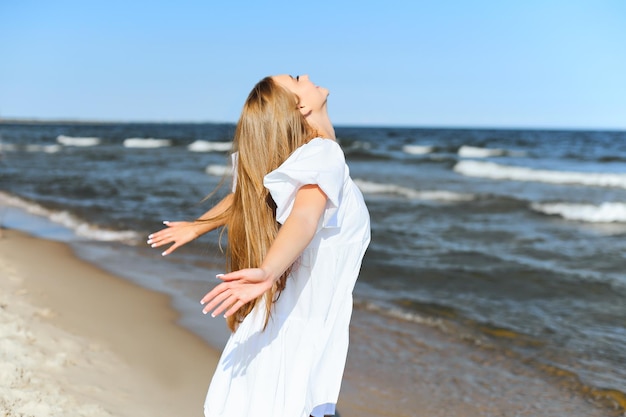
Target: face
pixel 311 96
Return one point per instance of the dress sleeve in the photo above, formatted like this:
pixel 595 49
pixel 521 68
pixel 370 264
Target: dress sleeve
pixel 320 162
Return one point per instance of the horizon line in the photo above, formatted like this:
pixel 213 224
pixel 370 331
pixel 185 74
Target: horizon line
pixel 35 120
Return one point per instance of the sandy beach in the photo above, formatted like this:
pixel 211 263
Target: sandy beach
pixel 79 341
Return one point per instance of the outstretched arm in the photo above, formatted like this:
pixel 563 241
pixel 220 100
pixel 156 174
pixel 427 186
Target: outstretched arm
pixel 181 233
pixel 240 287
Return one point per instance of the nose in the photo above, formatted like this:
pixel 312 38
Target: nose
pixel 305 76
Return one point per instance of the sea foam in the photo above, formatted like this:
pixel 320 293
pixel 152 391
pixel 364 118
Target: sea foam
pixel 466 151
pixel 437 195
pixel 78 141
pixel 608 212
pixel 8 147
pixel 80 227
pixel 219 170
pixel 476 152
pixel 43 148
pixel 207 146
pixel 146 143
pixel 418 149
pixel 495 171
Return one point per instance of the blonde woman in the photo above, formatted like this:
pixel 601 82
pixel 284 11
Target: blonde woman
pixel 297 231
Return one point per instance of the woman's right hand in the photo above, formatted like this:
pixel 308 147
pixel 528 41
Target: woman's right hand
pixel 178 233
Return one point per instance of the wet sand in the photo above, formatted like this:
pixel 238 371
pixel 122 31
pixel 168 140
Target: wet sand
pixel 435 375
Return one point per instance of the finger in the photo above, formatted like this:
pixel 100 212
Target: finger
pixel 173 224
pixel 232 276
pixel 214 297
pixel 234 308
pixel 153 236
pixel 170 249
pixel 228 302
pixel 160 235
pixel 156 242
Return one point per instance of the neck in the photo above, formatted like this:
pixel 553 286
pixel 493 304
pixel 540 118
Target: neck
pixel 322 124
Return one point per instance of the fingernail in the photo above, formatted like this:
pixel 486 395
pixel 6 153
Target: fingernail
pixel 150 236
pixel 218 276
pixel 212 315
pixel 153 245
pixel 201 302
pixel 149 241
pixel 165 222
pixel 164 253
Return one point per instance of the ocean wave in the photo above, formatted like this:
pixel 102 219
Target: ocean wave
pixel 418 149
pixel 475 152
pixel 402 314
pixel 206 146
pixel 43 148
pixel 466 151
pixel 608 212
pixel 11 147
pixel 355 145
pixel 146 143
pixel 438 195
pixel 507 172
pixel 77 141
pixel 8 147
pixel 80 227
pixel 218 170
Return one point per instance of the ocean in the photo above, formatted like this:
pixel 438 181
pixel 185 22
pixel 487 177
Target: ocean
pixel 514 238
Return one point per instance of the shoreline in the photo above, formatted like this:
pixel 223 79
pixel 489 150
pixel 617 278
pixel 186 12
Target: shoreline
pixel 82 339
pixel 78 338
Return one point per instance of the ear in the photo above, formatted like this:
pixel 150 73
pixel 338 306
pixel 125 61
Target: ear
pixel 304 109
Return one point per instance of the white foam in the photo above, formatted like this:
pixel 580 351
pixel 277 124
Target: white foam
pixel 78 141
pixel 8 147
pixel 43 148
pixel 604 213
pixel 475 152
pixel 146 143
pixel 207 146
pixel 417 149
pixel 68 220
pixel 357 144
pixel 219 170
pixel 495 171
pixel 437 195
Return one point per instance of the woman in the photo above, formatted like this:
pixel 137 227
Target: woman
pixel 297 229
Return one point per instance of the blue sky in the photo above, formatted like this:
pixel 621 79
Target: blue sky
pixel 528 64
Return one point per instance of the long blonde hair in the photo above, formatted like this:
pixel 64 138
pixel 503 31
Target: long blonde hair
pixel 270 128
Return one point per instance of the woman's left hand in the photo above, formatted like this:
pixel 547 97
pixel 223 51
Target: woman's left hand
pixel 237 289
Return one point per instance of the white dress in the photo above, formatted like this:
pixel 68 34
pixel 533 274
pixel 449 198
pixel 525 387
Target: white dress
pixel 294 367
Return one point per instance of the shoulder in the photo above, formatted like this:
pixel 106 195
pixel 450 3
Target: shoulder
pixel 319 148
pixel 323 143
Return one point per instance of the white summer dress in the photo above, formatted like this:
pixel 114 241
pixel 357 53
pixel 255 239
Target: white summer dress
pixel 294 367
